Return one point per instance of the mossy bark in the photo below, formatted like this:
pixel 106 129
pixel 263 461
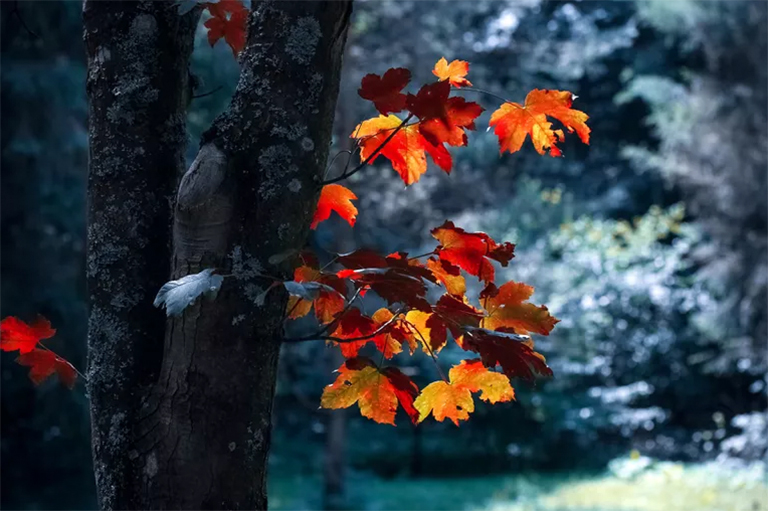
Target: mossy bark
pixel 189 427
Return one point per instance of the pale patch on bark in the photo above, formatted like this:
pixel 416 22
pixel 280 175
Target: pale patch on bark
pixel 203 178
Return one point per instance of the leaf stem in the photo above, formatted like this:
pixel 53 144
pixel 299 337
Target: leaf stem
pixel 46 348
pixel 422 255
pixel 483 91
pixel 429 349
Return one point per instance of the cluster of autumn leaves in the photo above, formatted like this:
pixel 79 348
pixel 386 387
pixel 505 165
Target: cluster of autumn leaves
pixel 435 119
pixel 496 330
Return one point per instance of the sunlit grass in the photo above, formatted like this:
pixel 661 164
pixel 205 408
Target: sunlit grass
pixel 664 487
pixel 660 487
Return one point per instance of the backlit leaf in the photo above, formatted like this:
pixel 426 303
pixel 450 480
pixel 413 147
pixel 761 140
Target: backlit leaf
pixel 335 197
pixel 453 400
pixel 443 119
pixel 361 382
pixel 471 251
pixel 513 122
pixel 455 72
pixel 15 334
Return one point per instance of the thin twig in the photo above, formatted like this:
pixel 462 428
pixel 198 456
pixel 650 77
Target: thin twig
pixel 483 91
pixel 217 89
pixel 371 156
pixel 421 255
pixel 15 10
pixel 351 339
pixel 429 349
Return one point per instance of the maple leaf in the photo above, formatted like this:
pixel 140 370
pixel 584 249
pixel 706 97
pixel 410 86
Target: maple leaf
pixel 43 363
pixel 405 391
pixel 361 382
pixel 406 150
pixel 424 327
pixel 453 400
pixel 394 278
pixel 449 275
pixel 385 91
pixel 391 284
pixel 224 7
pixel 507 307
pixel 455 72
pixel 513 122
pixel 228 20
pixel 513 352
pixel 311 287
pixel 390 341
pixel 350 325
pixel 15 334
pixel 455 314
pixel 471 251
pixel 336 198
pixel 443 119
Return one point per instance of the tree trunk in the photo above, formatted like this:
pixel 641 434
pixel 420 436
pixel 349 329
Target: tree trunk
pixel 190 428
pixel 137 88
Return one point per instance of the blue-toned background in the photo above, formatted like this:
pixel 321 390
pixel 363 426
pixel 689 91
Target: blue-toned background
pixel 649 244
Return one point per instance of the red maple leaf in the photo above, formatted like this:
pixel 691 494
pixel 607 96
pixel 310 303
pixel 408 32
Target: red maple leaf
pixel 514 353
pixel 471 251
pixel 43 363
pixel 18 335
pixel 405 390
pixel 443 119
pixel 385 91
pixel 228 20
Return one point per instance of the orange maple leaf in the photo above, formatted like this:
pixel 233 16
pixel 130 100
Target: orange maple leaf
pixel 471 251
pixel 449 275
pixel 385 91
pixel 453 400
pixel 507 307
pixel 43 363
pixel 361 382
pixel 513 122
pixel 15 334
pixel 425 328
pixel 390 341
pixel 443 119
pixel 455 72
pixel 407 149
pixel 336 198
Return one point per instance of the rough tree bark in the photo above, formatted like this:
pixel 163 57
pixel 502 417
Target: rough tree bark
pixel 185 422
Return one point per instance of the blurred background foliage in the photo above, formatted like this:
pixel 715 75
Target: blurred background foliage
pixel 650 244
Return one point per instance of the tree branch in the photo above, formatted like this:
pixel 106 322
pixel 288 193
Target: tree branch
pixel 370 157
pixel 351 339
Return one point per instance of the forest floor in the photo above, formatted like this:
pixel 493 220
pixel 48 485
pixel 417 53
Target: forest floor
pixel 633 486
